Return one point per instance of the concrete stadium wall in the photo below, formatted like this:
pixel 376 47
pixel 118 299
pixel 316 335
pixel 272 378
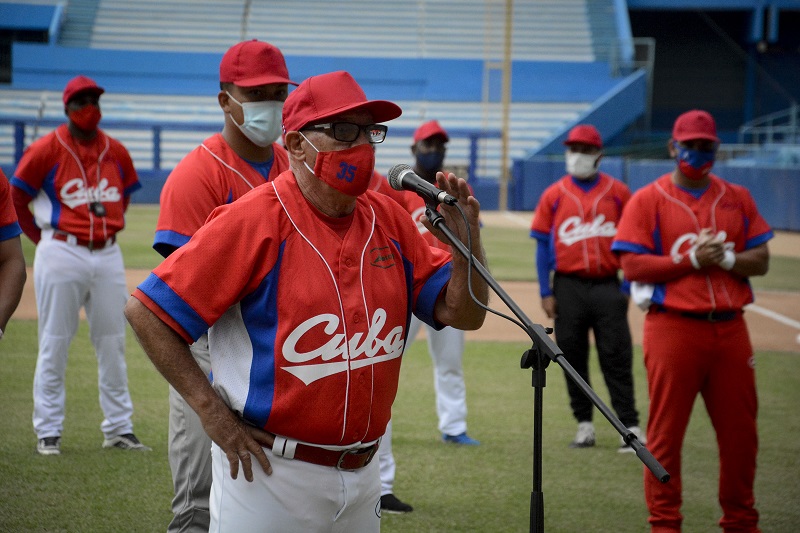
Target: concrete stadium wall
pixel 776 191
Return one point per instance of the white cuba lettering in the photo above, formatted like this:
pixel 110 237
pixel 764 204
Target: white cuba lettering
pixel 688 241
pixel 573 229
pixel 73 193
pixel 333 354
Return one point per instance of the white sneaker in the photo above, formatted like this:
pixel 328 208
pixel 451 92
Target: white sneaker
pixel 625 447
pixel 585 436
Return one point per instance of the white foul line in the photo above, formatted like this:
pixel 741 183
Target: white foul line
pixel 777 317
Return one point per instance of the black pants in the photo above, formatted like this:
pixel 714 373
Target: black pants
pixel 599 305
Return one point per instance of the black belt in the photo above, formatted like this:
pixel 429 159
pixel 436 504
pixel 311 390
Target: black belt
pixel 712 316
pixel 606 279
pixel 709 316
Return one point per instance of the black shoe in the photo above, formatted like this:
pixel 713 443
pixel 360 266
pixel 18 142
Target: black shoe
pixel 390 504
pixel 126 442
pixel 49 446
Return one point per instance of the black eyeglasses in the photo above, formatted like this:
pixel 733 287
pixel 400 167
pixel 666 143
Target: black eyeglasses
pixel 348 132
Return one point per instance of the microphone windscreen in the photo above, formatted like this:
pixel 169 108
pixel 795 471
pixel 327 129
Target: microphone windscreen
pixel 395 175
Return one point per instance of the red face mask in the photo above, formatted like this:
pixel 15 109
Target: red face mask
pixel 86 118
pixel 348 171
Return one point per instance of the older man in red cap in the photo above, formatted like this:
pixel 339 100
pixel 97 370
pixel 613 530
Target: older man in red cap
pixel 695 239
pixel 80 182
pixel 307 284
pixel 254 82
pixel 573 225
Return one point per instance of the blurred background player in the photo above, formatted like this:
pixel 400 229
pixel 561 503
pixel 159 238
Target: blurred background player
pixel 254 82
pixel 574 225
pixel 694 239
pixel 445 346
pixel 80 181
pixel 12 262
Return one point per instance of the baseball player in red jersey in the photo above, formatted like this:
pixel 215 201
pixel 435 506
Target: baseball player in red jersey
pixel 315 279
pixel 445 345
pixel 694 239
pixel 253 86
pixel 80 181
pixel 12 262
pixel 574 225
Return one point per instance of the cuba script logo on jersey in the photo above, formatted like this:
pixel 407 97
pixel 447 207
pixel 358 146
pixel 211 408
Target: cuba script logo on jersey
pixel 73 193
pixel 688 241
pixel 333 354
pixel 573 229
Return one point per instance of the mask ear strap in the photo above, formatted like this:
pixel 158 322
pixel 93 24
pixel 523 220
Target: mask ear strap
pixel 309 142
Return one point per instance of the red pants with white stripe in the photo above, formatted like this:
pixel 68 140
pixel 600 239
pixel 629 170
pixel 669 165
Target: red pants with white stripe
pixel 683 357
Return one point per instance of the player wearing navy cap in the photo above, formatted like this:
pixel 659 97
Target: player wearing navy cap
pixel 573 225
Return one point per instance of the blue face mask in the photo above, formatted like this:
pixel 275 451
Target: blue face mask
pixel 430 161
pixel 694 164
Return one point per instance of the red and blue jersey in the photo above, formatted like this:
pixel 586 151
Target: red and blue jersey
pixel 665 219
pixel 574 224
pixel 64 175
pixel 209 176
pixel 309 321
pixel 9 227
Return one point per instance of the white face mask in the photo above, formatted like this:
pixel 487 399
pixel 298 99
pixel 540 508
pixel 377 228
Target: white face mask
pixel 582 166
pixel 262 121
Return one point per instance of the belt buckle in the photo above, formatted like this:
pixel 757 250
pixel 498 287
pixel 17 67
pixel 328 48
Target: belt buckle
pixel 711 318
pixel 356 451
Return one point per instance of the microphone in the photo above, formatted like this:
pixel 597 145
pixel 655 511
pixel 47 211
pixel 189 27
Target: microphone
pixel 403 178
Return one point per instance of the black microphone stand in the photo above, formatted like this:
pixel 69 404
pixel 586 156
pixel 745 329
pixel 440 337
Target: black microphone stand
pixel 538 357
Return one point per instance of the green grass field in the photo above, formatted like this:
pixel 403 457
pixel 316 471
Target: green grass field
pixel 481 489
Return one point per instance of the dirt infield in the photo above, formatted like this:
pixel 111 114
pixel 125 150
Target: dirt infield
pixel 774 321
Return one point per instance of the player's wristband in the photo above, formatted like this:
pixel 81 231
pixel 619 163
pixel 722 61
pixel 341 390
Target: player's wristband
pixel 693 259
pixel 728 261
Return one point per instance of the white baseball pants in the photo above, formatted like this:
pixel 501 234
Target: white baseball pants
pixel 297 498
pixel 67 277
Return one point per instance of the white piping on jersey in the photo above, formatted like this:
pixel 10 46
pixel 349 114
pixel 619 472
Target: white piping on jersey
pixel 688 209
pixel 584 244
pixel 338 294
pixel 86 181
pixel 215 156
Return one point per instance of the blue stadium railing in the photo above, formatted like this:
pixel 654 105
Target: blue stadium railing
pixel 157 174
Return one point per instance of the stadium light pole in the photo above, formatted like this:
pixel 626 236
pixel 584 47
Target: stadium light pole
pixel 506 104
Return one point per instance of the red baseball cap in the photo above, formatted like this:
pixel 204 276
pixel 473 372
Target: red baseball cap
pixel 252 63
pixel 329 95
pixel 695 124
pixel 584 134
pixel 430 129
pixel 81 84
